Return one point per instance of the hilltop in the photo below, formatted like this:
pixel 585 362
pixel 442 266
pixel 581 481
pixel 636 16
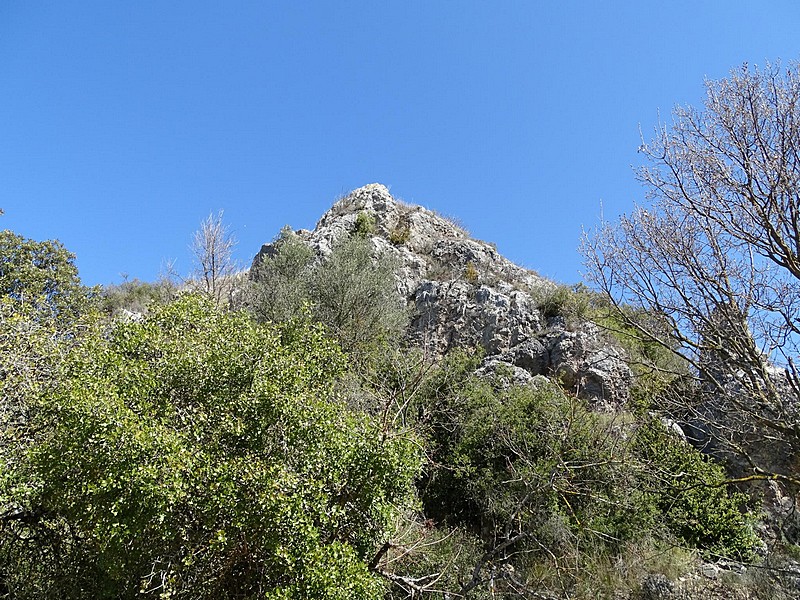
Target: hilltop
pixel 462 293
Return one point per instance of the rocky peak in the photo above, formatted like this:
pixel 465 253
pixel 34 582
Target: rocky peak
pixel 413 226
pixel 464 293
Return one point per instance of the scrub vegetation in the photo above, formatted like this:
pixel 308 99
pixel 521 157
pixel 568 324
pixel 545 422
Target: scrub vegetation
pixel 277 438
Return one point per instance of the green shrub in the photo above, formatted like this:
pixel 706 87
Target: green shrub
pixel 400 233
pixel 365 223
pixel 655 367
pixel 354 293
pixel 532 456
pixel 279 284
pixel 199 455
pixel 564 301
pixel 690 491
pixel 136 296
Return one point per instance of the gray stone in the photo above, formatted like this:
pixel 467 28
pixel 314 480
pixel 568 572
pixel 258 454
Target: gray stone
pixel 586 362
pixel 656 586
pixel 506 372
pixel 463 293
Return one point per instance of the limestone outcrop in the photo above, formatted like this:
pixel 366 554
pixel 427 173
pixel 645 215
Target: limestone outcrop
pixel 463 293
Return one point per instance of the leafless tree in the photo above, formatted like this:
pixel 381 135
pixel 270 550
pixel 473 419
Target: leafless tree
pixel 715 255
pixel 212 249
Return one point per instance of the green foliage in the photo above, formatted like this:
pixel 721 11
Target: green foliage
pixel 136 296
pixel 400 233
pixel 365 224
pixel 656 368
pixel 565 301
pixel 280 282
pixel 691 493
pixel 535 484
pixel 44 311
pixel 355 295
pixel 535 458
pixel 352 292
pixel 197 454
pixel 41 275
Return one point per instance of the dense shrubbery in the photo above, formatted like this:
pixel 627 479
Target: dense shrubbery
pixel 690 494
pixel 352 291
pixel 136 296
pixel 199 453
pixel 279 283
pixel 543 493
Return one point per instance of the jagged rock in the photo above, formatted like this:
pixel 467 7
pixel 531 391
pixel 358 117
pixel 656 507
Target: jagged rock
pixel 463 293
pixel 457 313
pixel 510 374
pixel 587 363
pixel 656 586
pixel 531 355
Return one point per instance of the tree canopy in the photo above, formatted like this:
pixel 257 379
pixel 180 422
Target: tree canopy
pixel 40 276
pixel 197 454
pixel 715 257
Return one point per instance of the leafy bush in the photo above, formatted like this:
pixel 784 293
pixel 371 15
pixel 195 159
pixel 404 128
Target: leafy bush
pixel 530 456
pixel 365 224
pixel 43 276
pixel 199 455
pixel 355 294
pixel 690 491
pixel 564 301
pixel 280 283
pixel 352 291
pixel 136 296
pixel 655 367
pixel 400 234
pixel 553 494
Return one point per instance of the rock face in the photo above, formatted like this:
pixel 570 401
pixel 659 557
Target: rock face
pixel 463 293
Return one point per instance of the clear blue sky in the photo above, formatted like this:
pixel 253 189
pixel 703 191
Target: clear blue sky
pixel 124 124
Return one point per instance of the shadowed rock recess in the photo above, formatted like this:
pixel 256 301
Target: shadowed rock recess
pixel 463 293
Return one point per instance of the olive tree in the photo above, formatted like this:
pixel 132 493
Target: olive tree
pixel 353 291
pixel 279 280
pixel 714 261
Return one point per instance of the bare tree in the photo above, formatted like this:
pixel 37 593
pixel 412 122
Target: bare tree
pixel 716 256
pixel 212 249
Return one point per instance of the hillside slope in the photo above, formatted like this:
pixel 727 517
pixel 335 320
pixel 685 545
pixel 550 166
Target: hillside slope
pixel 464 294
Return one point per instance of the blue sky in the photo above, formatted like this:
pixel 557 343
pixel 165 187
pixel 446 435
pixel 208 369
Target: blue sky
pixel 124 124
